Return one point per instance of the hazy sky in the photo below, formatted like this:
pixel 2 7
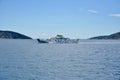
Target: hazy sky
pixel 72 18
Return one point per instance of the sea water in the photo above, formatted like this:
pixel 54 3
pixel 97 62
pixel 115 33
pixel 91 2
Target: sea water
pixel 88 60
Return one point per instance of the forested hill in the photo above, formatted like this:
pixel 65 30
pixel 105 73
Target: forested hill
pixel 112 36
pixel 12 35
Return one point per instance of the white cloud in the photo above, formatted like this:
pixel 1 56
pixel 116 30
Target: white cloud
pixel 93 11
pixel 115 15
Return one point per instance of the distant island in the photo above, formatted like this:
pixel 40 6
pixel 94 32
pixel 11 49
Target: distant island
pixel 12 35
pixel 114 36
pixel 57 39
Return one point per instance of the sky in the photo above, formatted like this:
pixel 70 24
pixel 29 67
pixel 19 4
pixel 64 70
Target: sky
pixel 72 18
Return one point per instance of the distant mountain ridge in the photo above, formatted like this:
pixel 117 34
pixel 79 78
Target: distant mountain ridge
pixel 12 35
pixel 112 36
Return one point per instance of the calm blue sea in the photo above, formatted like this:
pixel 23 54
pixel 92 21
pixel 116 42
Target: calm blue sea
pixel 88 60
